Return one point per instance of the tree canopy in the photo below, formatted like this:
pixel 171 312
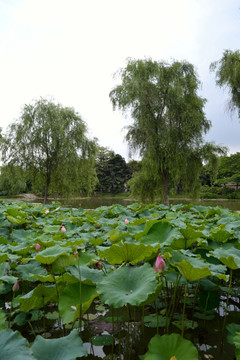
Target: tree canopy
pixel 49 142
pixel 112 171
pixel 228 75
pixel 168 122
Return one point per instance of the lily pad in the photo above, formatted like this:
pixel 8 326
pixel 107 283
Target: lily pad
pixel 65 348
pixel 169 347
pixel 131 285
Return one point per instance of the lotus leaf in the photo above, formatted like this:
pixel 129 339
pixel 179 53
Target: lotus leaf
pixel 70 298
pixel 228 255
pixel 88 276
pixel 27 271
pixel 128 253
pixel 131 285
pixel 168 347
pixel 49 255
pixel 192 268
pixel 13 346
pixel 65 348
pixel 161 233
pixel 38 297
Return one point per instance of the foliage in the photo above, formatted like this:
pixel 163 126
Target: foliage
pixel 228 75
pixel 50 143
pixel 12 180
pixel 112 171
pixel 105 259
pixel 168 122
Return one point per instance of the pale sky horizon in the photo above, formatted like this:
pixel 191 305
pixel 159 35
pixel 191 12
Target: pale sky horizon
pixel 69 50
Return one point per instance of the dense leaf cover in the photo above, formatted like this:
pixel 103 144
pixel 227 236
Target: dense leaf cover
pixel 52 281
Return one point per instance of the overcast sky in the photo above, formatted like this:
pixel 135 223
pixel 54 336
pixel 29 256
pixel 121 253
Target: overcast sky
pixel 70 49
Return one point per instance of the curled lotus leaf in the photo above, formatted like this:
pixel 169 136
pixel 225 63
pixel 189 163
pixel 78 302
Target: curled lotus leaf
pixel 228 255
pixel 169 347
pixel 128 285
pixel 192 268
pixel 127 252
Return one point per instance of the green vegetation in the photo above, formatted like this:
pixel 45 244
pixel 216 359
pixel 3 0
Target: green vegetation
pixel 67 275
pixel 49 145
pixel 228 75
pixel 168 124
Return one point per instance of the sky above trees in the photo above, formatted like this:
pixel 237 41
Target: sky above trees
pixel 68 50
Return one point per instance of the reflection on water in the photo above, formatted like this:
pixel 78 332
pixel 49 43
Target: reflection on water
pixel 95 202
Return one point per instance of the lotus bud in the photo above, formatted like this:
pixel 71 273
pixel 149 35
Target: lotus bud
pixel 46 211
pixel 159 264
pixel 15 286
pixel 37 247
pixel 126 221
pixel 99 265
pixel 63 229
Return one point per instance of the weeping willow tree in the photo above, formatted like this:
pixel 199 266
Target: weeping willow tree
pixel 228 75
pixel 168 122
pixel 49 142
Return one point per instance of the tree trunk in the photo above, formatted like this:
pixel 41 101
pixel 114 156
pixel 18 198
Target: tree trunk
pixel 46 188
pixel 165 189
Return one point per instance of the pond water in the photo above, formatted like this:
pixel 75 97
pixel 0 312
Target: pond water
pixel 95 202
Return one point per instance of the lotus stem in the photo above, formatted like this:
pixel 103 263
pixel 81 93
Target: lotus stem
pixel 226 307
pixel 184 306
pixel 80 295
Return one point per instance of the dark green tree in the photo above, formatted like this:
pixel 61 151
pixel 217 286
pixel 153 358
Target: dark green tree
pixel 50 143
pixel 168 121
pixel 112 171
pixel 229 169
pixel 12 180
pixel 228 75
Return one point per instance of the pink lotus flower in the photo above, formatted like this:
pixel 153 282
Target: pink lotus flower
pixel 63 229
pixel 159 264
pixel 37 247
pixel 126 221
pixel 15 286
pixel 46 211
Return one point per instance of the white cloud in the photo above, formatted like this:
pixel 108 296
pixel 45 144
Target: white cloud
pixel 69 49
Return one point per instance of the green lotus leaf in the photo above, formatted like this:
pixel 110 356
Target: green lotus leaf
pixel 51 254
pixel 228 255
pixel 232 330
pixel 16 220
pixel 127 252
pixel 85 258
pixel 65 348
pixel 71 297
pixel 220 234
pixel 161 233
pixel 102 340
pixel 192 268
pixel 155 320
pixel 236 341
pixel 59 265
pixel 3 257
pixel 13 346
pixel 27 271
pixel 88 276
pixel 50 229
pixel 131 285
pixel 38 297
pixel 169 347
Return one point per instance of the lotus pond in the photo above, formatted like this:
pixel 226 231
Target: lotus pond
pixel 78 283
